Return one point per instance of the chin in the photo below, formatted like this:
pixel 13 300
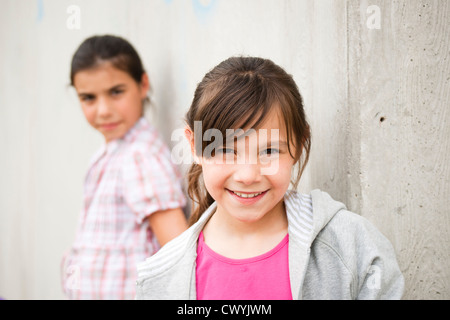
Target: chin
pixel 249 218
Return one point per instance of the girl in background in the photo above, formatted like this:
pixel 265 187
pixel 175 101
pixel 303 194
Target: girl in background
pixel 251 237
pixel 132 191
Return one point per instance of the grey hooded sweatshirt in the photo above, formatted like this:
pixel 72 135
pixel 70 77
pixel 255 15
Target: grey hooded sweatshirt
pixel 339 255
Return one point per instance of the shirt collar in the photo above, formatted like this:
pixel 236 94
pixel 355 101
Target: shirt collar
pixel 135 130
pixel 128 137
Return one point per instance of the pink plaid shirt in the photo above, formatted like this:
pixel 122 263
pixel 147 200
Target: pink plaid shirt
pixel 128 179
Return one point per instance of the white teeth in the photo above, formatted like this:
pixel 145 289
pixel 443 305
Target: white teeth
pixel 247 195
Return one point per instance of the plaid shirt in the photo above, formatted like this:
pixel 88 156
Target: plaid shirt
pixel 128 179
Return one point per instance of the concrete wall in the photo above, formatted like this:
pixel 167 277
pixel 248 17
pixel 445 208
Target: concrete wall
pixel 375 76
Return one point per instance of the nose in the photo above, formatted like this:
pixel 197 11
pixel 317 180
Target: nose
pixel 103 108
pixel 247 173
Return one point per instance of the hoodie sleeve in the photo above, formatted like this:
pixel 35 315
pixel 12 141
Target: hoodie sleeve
pixel 379 276
pixel 351 259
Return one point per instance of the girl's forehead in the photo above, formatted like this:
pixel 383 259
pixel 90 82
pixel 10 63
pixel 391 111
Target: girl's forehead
pixel 270 130
pixel 104 74
pixel 274 120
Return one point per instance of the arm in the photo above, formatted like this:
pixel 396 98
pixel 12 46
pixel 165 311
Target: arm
pixel 382 281
pixel 380 275
pixel 167 224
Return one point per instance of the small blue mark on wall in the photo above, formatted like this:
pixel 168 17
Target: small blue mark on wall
pixel 203 8
pixel 40 10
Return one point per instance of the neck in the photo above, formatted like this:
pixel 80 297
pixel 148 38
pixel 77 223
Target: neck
pixel 273 221
pixel 234 238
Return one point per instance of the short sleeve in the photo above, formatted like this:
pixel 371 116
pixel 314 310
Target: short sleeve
pixel 151 183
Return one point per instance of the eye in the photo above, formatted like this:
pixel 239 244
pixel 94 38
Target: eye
pixel 87 97
pixel 270 152
pixel 116 92
pixel 225 151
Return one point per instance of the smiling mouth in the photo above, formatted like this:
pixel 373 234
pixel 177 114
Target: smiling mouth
pixel 247 195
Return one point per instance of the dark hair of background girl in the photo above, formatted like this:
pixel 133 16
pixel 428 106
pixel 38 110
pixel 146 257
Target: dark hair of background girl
pixel 99 49
pixel 239 93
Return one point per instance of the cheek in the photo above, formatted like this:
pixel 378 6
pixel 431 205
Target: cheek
pixel 214 177
pixel 282 178
pixel 134 105
pixel 89 114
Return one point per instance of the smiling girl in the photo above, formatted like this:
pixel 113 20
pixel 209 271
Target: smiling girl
pixel 251 237
pixel 132 191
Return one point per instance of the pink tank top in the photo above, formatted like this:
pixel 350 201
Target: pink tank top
pixel 264 277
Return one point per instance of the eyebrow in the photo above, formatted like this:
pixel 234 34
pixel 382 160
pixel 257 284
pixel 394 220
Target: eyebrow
pixel 278 143
pixel 117 86
pixel 85 94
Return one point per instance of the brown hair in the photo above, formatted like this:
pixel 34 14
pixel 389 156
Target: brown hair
pixel 98 49
pixel 238 93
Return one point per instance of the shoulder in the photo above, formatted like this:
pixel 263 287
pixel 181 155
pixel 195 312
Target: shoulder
pixel 167 257
pixel 361 257
pixel 341 228
pixel 147 140
pixel 171 253
pixel 349 233
pixel 169 273
pixel 166 274
pixel 145 145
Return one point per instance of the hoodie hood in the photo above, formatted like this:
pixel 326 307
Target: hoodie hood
pixel 307 216
pixel 325 208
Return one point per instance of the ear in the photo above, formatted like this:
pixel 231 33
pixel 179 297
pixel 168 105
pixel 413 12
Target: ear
pixel 189 137
pixel 144 85
pixel 189 134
